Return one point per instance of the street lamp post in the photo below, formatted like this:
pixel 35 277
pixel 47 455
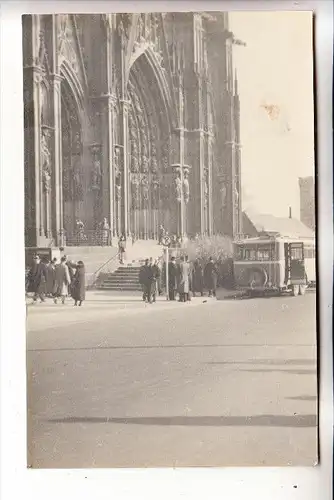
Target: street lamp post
pixel 166 242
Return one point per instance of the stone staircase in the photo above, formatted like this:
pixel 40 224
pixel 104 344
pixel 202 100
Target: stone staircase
pixel 126 277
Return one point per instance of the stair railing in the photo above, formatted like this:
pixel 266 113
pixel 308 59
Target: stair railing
pixel 104 266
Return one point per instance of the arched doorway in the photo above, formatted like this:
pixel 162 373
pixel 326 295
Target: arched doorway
pixel 149 154
pixel 72 175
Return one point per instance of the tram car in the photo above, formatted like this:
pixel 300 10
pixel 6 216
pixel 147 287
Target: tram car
pixel 274 264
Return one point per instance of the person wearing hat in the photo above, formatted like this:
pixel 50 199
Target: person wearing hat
pixel 37 277
pixel 78 286
pixel 172 278
pixel 146 281
pixel 62 281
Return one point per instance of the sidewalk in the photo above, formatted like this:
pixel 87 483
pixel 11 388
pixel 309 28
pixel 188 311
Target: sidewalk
pixel 108 303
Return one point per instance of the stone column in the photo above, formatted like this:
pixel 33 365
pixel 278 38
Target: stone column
pixel 46 176
pixel 96 181
pixel 57 177
pixel 124 166
pixel 210 187
pixel 111 170
pixel 32 78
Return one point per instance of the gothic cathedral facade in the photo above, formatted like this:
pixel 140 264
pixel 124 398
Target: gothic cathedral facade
pixel 130 117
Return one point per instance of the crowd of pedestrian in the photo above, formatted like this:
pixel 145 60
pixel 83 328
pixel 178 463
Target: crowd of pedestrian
pixel 150 280
pixel 56 280
pixel 185 279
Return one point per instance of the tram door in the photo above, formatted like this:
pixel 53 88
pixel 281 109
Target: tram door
pixel 294 263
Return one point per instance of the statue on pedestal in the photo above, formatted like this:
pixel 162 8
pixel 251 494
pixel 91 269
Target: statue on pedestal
pixel 96 175
pixel 206 189
pixel 46 162
pixel 135 191
pixel 145 188
pixel 186 188
pixel 178 186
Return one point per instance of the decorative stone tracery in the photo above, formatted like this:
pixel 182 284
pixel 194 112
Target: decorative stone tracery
pixel 119 133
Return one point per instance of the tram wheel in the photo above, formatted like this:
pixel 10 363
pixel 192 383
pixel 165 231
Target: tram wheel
pixel 295 290
pixel 302 289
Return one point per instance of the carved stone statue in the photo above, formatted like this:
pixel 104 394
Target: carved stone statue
pixel 135 195
pixel 236 197
pixel 77 185
pixel 144 164
pixel 46 181
pixel 118 187
pixel 178 187
pixel 134 164
pixel 154 165
pixel 116 162
pixel 186 188
pixel 96 174
pixel 155 192
pixel 223 193
pixel 206 190
pixel 145 188
pixel 46 162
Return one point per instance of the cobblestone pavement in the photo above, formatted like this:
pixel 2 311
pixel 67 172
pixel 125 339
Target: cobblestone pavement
pixel 223 383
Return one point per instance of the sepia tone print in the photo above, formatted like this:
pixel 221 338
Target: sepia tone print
pixel 170 239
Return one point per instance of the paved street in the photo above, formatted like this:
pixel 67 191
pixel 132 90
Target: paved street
pixel 208 384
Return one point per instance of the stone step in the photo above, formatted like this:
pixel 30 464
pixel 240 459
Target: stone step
pixel 120 283
pixel 122 288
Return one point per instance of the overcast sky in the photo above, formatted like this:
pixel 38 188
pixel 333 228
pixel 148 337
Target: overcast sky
pixel 275 74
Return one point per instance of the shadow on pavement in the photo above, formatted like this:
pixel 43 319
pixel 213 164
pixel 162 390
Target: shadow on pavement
pixel 266 362
pixel 212 421
pixel 303 398
pixel 277 370
pixel 173 346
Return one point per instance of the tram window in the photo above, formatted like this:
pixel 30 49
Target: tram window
pixel 264 254
pixel 296 253
pixel 239 253
pixel 250 254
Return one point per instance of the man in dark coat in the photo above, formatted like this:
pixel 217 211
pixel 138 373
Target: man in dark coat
pixel 37 279
pixel 79 284
pixel 145 280
pixel 197 278
pixel 155 279
pixel 210 277
pixel 172 278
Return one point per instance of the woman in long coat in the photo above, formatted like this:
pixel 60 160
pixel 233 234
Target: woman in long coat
pixel 210 277
pixel 50 277
pixel 184 280
pixel 197 278
pixel 62 281
pixel 172 278
pixel 79 284
pixel 36 279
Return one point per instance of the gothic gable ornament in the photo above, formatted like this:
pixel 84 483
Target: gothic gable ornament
pixel 68 46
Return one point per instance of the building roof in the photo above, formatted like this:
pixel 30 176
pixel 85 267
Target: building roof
pixel 283 226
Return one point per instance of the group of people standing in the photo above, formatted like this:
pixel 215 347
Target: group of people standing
pixel 150 280
pixel 56 280
pixel 186 278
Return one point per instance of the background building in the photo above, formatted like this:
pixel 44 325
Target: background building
pixel 307 197
pixel 132 117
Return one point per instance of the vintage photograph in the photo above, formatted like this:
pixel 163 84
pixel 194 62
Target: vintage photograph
pixel 170 242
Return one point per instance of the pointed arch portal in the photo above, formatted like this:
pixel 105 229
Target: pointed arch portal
pixel 149 149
